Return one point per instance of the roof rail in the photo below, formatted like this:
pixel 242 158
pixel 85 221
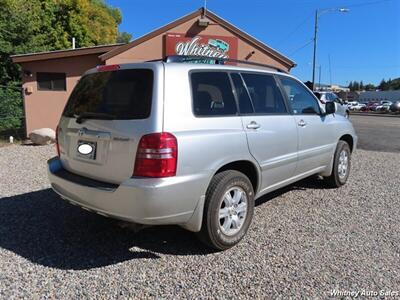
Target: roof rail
pixel 215 60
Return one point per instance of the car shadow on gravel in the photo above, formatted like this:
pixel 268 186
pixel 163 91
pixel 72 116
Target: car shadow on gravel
pixel 46 230
pixel 313 182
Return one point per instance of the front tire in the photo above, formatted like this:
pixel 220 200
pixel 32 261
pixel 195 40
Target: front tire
pixel 341 165
pixel 228 210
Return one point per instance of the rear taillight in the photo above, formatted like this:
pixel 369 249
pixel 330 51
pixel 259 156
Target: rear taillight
pixel 157 155
pixel 57 144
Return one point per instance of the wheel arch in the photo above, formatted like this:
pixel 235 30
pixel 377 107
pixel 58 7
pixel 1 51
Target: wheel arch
pixel 246 167
pixel 348 139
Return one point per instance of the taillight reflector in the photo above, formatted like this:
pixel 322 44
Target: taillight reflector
pixel 104 68
pixel 156 156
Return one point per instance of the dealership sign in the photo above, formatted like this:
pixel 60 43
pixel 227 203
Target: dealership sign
pixel 201 45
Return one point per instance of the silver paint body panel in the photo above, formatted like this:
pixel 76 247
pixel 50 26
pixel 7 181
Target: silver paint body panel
pixel 281 151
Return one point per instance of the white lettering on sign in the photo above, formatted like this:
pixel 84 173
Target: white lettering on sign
pixel 214 48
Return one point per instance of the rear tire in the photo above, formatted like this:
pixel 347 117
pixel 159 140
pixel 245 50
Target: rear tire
pixel 228 210
pixel 341 166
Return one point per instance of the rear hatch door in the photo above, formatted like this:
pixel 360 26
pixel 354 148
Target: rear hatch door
pixel 106 115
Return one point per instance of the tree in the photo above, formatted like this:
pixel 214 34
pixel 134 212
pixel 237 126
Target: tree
pixel 43 25
pixel 395 84
pixel 356 86
pixel 10 107
pixel 124 37
pixel 361 86
pixel 370 87
pixel 383 86
pixel 351 86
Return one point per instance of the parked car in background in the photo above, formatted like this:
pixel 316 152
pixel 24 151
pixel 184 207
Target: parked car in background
pixel 384 106
pixel 355 106
pixel 341 106
pixel 371 106
pixel 134 143
pixel 351 103
pixel 395 107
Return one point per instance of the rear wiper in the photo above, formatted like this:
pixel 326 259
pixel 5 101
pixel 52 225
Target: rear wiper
pixel 92 115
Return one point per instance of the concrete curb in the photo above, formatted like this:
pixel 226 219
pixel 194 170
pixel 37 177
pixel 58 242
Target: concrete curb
pixel 374 114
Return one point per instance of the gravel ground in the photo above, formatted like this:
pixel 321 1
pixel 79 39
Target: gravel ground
pixel 304 241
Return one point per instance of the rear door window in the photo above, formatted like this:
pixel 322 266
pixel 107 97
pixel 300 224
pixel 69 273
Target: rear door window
pixel 265 94
pixel 245 105
pixel 212 94
pixel 123 94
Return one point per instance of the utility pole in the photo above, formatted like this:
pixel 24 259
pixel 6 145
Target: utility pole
pixel 317 15
pixel 330 70
pixel 319 80
pixel 315 48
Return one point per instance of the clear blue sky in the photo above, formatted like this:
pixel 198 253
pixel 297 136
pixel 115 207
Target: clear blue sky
pixel 363 44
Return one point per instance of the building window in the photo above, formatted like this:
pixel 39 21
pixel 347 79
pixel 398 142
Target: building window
pixel 51 81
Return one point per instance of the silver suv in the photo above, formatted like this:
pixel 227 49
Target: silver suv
pixel 193 144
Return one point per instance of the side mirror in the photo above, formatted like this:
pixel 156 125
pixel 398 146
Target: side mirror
pixel 318 95
pixel 330 108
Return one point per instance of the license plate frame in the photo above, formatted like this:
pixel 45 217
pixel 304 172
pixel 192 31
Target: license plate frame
pixel 89 156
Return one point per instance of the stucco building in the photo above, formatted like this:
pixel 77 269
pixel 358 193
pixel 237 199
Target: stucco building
pixel 49 77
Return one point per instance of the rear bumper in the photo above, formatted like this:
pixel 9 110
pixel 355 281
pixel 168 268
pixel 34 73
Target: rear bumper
pixel 153 201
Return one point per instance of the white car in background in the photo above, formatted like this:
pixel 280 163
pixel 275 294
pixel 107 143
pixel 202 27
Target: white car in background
pixel 356 106
pixel 385 106
pixel 341 107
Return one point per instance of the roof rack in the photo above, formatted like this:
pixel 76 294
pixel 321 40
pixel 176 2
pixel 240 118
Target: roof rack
pixel 215 60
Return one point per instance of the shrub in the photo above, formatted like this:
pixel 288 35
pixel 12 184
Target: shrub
pixel 11 107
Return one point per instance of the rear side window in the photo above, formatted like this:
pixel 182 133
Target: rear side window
pixel 124 94
pixel 212 94
pixel 265 94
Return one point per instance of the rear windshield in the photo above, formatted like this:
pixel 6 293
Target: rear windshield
pixel 124 94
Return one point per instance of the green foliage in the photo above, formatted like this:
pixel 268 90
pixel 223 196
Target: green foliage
pixel 370 87
pixel 124 37
pixel 10 106
pixel 351 86
pixel 390 84
pixel 43 25
pixel 28 26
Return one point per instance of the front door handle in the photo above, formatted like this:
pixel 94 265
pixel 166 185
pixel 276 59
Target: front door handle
pixel 253 125
pixel 302 123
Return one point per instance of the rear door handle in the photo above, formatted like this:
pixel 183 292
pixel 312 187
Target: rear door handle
pixel 302 123
pixel 253 125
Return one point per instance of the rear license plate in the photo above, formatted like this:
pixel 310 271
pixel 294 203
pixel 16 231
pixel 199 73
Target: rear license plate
pixel 86 149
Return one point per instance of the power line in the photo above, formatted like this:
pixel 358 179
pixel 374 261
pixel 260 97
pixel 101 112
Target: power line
pixel 302 47
pixel 368 3
pixel 295 29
